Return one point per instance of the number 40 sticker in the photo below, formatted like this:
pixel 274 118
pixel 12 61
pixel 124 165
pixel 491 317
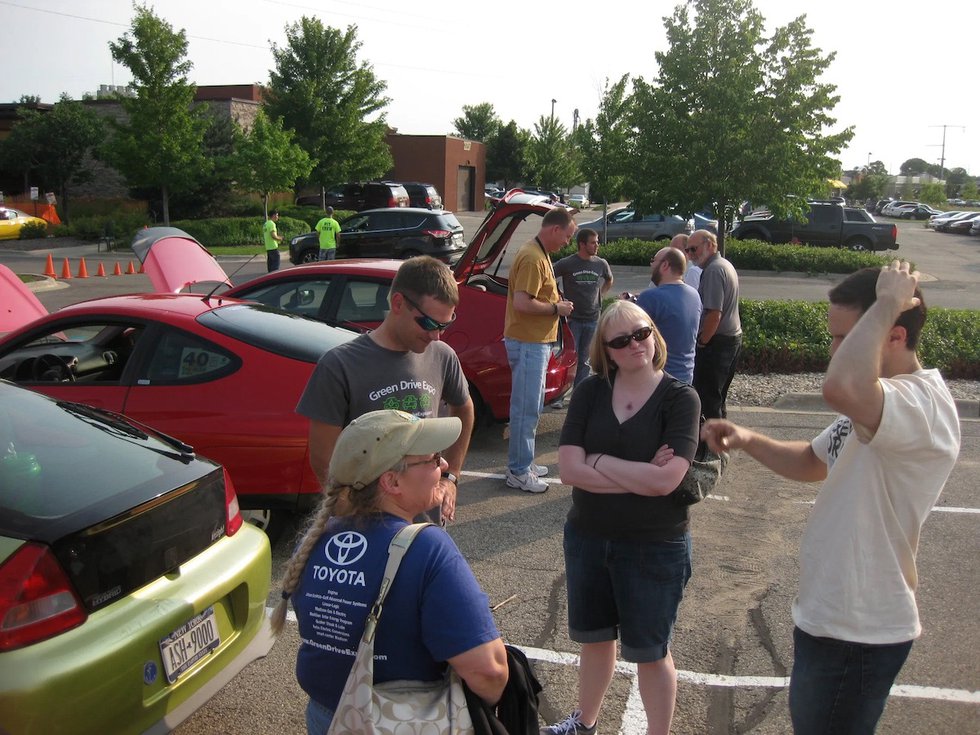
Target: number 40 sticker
pixel 195 362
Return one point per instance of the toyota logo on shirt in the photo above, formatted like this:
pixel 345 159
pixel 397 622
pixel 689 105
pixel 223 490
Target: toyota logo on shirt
pixel 345 548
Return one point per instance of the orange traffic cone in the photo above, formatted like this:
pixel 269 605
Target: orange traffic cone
pixel 117 271
pixel 101 271
pixel 141 268
pixel 49 268
pixel 82 269
pixel 65 270
pixel 130 271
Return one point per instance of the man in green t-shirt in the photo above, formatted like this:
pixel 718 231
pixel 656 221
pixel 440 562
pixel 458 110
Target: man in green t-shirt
pixel 271 238
pixel 329 230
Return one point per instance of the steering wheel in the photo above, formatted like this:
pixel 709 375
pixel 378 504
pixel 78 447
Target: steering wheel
pixel 54 369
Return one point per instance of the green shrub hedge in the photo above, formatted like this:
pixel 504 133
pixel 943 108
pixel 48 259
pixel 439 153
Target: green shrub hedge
pixel 33 230
pixel 792 337
pixel 238 231
pixel 309 215
pixel 752 255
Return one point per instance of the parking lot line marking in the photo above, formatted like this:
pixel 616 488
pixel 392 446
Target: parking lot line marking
pixel 550 481
pixel 935 508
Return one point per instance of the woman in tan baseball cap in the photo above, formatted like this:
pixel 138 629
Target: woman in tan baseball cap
pixel 387 466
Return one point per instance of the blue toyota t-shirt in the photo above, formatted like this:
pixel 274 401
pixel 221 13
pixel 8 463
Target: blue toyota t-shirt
pixel 434 611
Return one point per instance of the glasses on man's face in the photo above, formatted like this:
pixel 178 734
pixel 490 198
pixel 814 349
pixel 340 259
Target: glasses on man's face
pixel 618 343
pixel 427 322
pixel 433 461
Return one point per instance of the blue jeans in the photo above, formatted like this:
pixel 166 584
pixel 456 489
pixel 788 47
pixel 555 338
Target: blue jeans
pixel 528 367
pixel 582 331
pixel 318 718
pixel 840 688
pixel 271 260
pixel 327 254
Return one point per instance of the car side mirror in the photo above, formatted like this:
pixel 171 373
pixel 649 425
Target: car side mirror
pixel 305 296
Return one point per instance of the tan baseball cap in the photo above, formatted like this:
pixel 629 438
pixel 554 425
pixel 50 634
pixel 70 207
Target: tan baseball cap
pixel 374 443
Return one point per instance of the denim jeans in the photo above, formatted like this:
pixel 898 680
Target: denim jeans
pixel 714 369
pixel 327 254
pixel 582 331
pixel 271 260
pixel 318 718
pixel 840 688
pixel 528 367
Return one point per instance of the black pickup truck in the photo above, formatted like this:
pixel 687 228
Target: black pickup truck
pixel 825 225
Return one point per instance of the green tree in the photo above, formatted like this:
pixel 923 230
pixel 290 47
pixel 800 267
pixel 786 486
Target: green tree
pixel 969 190
pixel 604 143
pixel 733 115
pixel 54 146
pixel 955 181
pixel 507 154
pixel 335 104
pixel 932 193
pixel 913 167
pixel 877 168
pixel 478 122
pixel 553 162
pixel 159 145
pixel 266 159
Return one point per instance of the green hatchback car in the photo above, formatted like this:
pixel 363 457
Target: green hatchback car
pixel 130 589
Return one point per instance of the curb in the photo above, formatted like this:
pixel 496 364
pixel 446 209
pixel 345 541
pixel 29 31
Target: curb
pixel 44 283
pixel 814 403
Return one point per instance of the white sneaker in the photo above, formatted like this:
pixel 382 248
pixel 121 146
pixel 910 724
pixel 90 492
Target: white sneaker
pixel 539 469
pixel 528 482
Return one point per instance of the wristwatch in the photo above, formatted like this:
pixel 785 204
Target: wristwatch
pixel 451 477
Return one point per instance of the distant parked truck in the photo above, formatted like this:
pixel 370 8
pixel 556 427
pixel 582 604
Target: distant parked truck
pixel 825 225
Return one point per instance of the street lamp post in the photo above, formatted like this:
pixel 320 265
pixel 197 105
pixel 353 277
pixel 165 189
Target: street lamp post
pixel 553 108
pixel 869 162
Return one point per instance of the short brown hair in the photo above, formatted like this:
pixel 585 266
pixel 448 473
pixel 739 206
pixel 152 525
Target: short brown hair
pixel 423 276
pixel 599 353
pixel 557 216
pixel 583 235
pixel 675 260
pixel 858 291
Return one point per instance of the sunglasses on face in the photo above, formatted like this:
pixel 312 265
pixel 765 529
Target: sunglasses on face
pixel 641 334
pixel 427 322
pixel 433 461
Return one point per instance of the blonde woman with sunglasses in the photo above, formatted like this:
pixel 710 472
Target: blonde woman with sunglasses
pixel 627 443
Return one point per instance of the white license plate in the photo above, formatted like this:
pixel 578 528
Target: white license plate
pixel 187 645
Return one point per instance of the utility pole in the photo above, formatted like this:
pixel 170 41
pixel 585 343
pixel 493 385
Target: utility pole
pixel 942 155
pixel 553 108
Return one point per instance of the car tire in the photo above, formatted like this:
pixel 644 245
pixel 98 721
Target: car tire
pixel 410 253
pixel 309 256
pixel 273 522
pixel 859 244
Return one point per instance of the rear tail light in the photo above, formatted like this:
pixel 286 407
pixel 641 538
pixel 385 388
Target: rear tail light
pixel 393 202
pixel 439 234
pixel 233 513
pixel 37 600
pixel 895 233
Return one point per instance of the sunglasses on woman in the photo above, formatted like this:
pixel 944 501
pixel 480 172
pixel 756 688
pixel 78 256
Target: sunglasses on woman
pixel 427 322
pixel 433 461
pixel 618 343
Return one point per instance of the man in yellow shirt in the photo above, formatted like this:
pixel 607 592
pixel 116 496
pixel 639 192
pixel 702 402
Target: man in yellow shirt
pixel 329 230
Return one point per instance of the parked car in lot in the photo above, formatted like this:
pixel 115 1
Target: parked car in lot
pixel 918 211
pixel 357 196
pixel 945 224
pixel 579 201
pixel 629 223
pixel 826 224
pixel 12 220
pixel 975 227
pixel 961 226
pixel 425 196
pixel 355 293
pixel 892 209
pixel 389 233
pixel 937 219
pixel 130 590
pixel 194 367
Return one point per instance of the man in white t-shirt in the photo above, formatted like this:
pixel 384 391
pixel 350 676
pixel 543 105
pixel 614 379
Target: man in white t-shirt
pixel 883 463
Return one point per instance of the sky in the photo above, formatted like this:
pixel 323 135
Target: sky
pixel 903 73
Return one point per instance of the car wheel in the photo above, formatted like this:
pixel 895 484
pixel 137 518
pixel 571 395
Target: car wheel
pixel 859 244
pixel 661 238
pixel 310 256
pixel 273 522
pixel 406 254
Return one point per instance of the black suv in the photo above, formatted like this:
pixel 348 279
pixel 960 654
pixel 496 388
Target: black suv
pixel 425 196
pixel 358 196
pixel 389 233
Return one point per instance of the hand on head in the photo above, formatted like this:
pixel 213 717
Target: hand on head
pixel 898 281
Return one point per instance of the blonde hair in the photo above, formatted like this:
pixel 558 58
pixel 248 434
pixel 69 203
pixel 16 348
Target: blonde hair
pixel 622 310
pixel 361 503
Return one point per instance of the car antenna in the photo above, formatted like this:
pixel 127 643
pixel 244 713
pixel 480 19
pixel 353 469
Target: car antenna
pixel 210 293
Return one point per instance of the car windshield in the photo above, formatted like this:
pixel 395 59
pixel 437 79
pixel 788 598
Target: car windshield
pixel 289 335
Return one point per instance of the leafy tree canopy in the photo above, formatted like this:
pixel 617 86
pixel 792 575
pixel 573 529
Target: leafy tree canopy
pixel 604 143
pixel 553 162
pixel 733 115
pixel 335 104
pixel 159 145
pixel 507 154
pixel 478 122
pixel 266 159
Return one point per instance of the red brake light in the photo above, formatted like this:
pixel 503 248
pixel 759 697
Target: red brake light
pixel 233 513
pixel 895 233
pixel 393 202
pixel 440 234
pixel 37 600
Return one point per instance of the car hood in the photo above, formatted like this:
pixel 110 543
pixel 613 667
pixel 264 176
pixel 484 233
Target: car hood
pixel 174 260
pixel 19 304
pixel 483 253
